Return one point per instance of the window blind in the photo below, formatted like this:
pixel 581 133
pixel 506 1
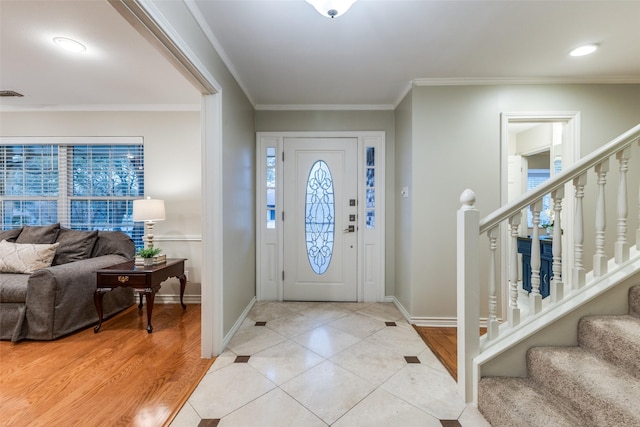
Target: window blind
pixel 83 186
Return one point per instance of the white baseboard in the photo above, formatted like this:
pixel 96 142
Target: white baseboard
pixel 238 323
pixel 400 307
pixel 441 322
pixel 175 299
pixel 433 322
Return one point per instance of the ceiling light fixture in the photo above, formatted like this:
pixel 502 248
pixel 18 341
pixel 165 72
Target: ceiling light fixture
pixel 69 44
pixel 584 50
pixel 331 8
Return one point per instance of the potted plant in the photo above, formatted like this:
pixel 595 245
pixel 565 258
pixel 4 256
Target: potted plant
pixel 546 220
pixel 148 254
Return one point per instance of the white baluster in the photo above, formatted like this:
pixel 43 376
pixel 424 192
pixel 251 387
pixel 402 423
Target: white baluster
pixel 514 311
pixel 492 322
pixel 578 234
pixel 622 247
pixel 599 258
pixel 557 286
pixel 535 299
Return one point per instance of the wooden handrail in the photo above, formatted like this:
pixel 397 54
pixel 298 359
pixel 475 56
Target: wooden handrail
pixel 573 171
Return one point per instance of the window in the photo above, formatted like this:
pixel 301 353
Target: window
pixel 271 187
pixel 370 180
pixel 82 186
pixel 536 177
pixel 319 217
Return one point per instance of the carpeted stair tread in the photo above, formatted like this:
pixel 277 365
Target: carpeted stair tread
pixel 634 301
pixel 515 402
pixel 616 339
pixel 601 393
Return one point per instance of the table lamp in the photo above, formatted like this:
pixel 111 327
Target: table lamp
pixel 148 210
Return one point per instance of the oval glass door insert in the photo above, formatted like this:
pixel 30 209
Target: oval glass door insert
pixel 319 217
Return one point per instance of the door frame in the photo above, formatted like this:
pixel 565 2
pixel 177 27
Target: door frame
pixel 571 154
pixel 370 241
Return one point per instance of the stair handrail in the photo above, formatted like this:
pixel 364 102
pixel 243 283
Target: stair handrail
pixel 471 227
pixel 573 171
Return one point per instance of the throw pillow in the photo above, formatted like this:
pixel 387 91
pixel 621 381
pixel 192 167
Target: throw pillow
pixel 10 235
pixel 26 257
pixel 114 243
pixel 75 245
pixel 39 234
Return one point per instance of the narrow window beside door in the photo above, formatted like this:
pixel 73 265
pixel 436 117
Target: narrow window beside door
pixel 371 188
pixel 271 187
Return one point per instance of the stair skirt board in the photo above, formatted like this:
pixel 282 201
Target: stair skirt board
pixel 594 384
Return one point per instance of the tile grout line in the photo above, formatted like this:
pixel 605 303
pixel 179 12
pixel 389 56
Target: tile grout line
pixel 289 340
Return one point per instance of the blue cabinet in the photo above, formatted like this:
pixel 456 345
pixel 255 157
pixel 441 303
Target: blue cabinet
pixel 546 263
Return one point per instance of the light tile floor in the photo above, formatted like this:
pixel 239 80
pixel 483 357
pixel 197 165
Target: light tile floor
pixel 321 364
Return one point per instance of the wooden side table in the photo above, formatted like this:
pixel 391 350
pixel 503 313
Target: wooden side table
pixel 144 280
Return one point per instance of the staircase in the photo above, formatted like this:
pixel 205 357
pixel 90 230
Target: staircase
pixel 596 259
pixel 594 384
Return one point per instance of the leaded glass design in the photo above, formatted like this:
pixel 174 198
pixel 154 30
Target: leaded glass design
pixel 370 183
pixel 319 217
pixel 271 187
pixel 371 219
pixel 371 198
pixel 371 157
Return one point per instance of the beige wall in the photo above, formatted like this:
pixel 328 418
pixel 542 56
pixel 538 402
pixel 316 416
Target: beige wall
pixel 172 170
pixel 238 180
pixel 535 139
pixel 239 206
pixel 403 211
pixel 309 121
pixel 456 145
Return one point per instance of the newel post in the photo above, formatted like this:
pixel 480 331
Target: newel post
pixel 468 289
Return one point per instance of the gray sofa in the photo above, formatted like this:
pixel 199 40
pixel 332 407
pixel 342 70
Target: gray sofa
pixel 54 301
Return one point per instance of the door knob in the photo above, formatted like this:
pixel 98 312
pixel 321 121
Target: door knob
pixel 350 229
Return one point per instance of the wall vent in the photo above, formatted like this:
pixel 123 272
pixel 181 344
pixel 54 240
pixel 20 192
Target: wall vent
pixel 10 93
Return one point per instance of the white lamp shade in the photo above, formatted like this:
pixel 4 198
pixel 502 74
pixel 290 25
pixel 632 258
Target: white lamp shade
pixel 148 210
pixel 339 7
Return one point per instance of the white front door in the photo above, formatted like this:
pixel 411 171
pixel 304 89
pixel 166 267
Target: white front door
pixel 320 189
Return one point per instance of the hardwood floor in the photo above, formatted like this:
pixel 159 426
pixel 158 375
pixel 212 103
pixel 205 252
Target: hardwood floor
pixel 121 376
pixel 444 344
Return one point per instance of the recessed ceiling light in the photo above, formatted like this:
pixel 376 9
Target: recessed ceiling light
pixel 69 44
pixel 584 50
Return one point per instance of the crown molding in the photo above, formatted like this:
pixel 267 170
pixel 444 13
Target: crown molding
pixel 525 81
pixel 403 94
pixel 100 108
pixel 324 107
